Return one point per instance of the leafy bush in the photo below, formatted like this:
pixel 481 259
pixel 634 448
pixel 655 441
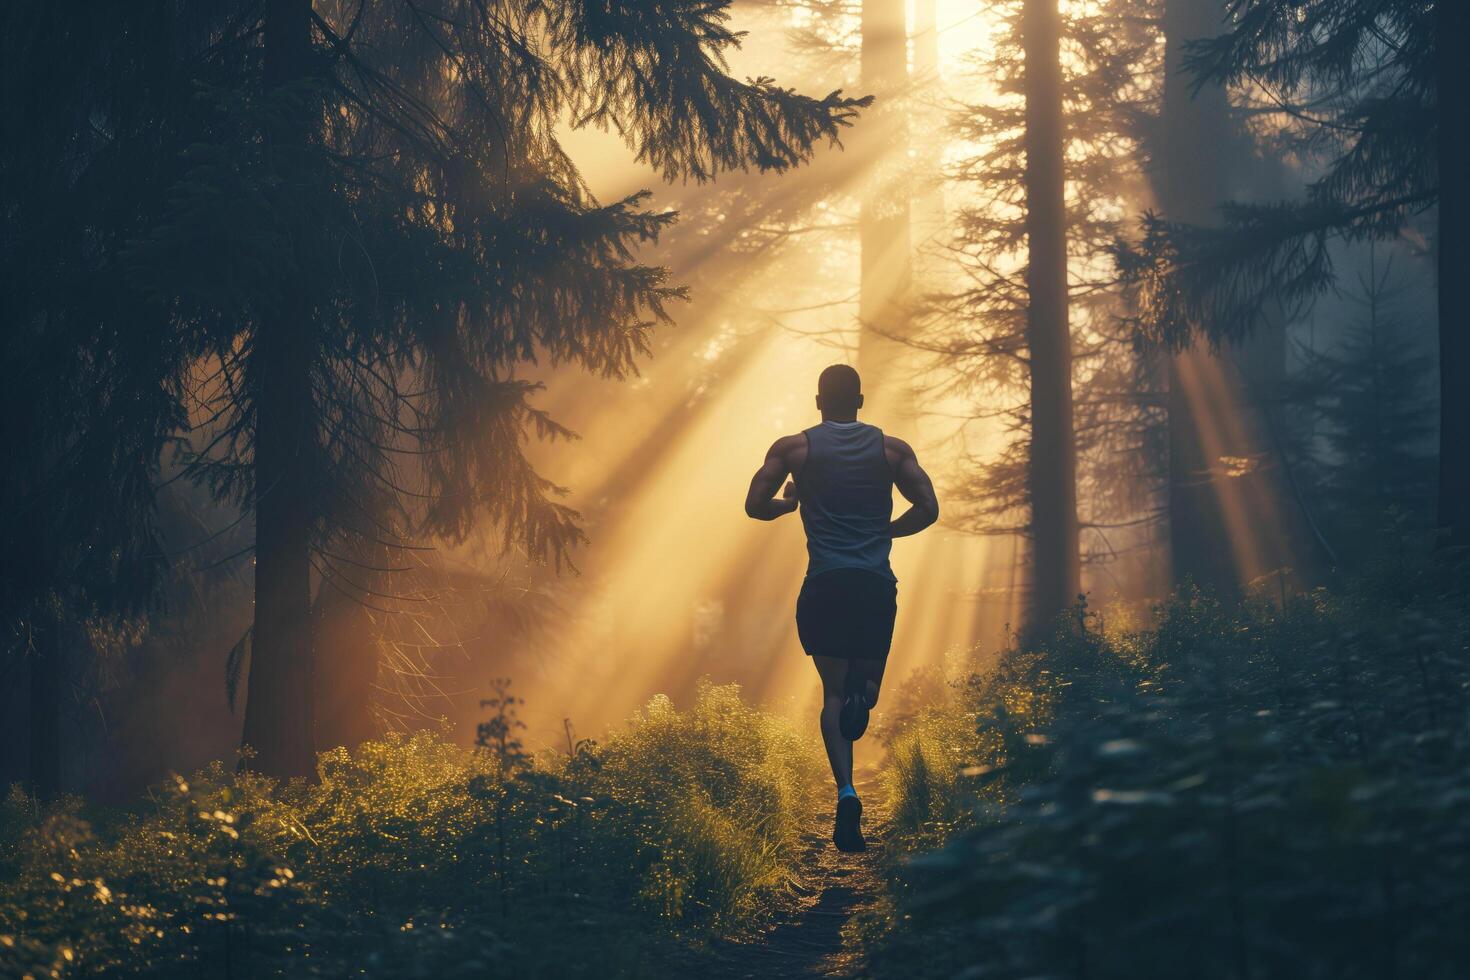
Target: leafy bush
pixel 1258 792
pixel 412 856
pixel 940 763
pixel 708 805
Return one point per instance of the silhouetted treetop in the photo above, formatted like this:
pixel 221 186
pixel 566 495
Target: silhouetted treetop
pixel 1354 85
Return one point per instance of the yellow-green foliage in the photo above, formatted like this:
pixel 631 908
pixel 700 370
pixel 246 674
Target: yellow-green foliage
pixel 712 799
pixel 399 814
pixel 412 856
pixel 944 762
pixel 921 779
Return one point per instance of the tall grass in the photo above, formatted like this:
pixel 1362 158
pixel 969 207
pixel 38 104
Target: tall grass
pixel 1277 790
pixel 412 856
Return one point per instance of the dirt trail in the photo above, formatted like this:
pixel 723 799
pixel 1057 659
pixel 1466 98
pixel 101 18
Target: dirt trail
pixel 836 887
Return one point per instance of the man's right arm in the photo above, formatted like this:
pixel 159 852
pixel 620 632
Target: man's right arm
pixel 761 502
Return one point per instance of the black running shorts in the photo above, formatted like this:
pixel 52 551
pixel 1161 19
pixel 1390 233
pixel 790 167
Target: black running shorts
pixel 847 612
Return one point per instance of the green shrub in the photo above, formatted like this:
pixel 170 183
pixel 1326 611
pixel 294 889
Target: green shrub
pixel 939 774
pixel 1255 792
pixel 195 878
pixel 412 856
pixel 709 804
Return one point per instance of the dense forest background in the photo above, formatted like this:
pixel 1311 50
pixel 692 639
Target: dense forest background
pixel 385 378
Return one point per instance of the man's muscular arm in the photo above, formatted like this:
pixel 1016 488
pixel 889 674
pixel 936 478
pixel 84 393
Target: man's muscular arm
pixel 916 488
pixel 761 502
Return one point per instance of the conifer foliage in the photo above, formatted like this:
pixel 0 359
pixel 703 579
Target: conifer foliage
pixel 1373 92
pixel 86 420
pixel 1033 324
pixel 369 224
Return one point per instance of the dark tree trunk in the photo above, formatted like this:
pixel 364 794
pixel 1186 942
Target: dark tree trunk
pixel 46 669
pixel 881 142
pixel 278 722
pixel 1192 186
pixel 1454 258
pixel 1052 474
pixel 1294 537
pixel 345 665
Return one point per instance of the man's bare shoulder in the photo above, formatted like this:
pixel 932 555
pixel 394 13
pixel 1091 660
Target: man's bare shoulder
pixel 789 447
pixel 790 450
pixel 896 448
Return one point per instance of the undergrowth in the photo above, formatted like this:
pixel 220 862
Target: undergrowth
pixel 1268 790
pixel 414 857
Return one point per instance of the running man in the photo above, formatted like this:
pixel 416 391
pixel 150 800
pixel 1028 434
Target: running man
pixel 843 474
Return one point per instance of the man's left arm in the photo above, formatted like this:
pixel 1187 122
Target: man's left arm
pixel 917 489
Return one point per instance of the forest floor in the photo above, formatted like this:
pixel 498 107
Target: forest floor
pixel 835 889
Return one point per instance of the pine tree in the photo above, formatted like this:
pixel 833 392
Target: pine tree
pixel 1192 186
pixel 378 226
pixel 1376 90
pixel 1052 470
pixel 80 163
pixel 885 236
pixel 1075 415
pixel 1369 399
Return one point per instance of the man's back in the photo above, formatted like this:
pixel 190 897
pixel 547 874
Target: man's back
pixel 845 487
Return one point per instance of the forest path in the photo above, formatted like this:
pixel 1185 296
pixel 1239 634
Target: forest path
pixel 836 887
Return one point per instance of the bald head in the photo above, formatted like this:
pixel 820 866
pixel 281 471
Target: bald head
pixel 839 393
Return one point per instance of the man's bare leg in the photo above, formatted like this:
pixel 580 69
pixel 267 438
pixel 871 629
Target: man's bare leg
pixel 835 675
pixel 833 671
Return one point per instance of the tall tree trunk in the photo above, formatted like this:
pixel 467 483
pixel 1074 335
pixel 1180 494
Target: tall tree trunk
pixel 926 41
pixel 346 660
pixel 1052 473
pixel 46 670
pixel 278 722
pixel 1295 539
pixel 346 667
pixel 1452 36
pixel 881 141
pixel 926 141
pixel 1192 186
